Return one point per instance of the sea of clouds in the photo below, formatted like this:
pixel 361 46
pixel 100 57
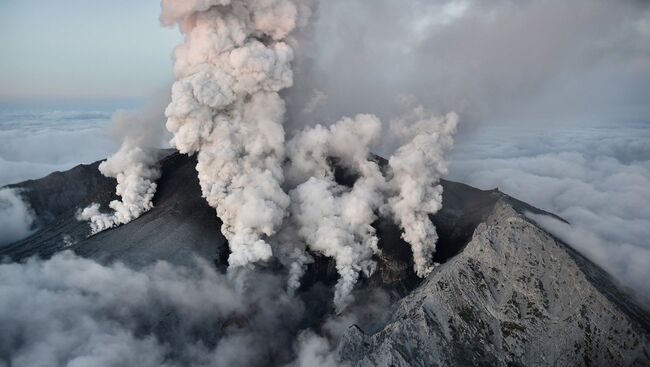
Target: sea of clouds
pixel 518 61
pixel 595 176
pixel 36 141
pixel 74 309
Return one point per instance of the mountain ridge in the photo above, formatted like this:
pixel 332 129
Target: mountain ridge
pixel 491 305
pixel 182 226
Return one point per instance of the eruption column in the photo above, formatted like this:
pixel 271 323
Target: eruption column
pixel 226 108
pixel 416 169
pixel 134 166
pixel 335 220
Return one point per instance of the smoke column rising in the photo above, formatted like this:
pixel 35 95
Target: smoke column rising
pixel 225 106
pixel 336 220
pixel 332 219
pixel 134 166
pixel 416 169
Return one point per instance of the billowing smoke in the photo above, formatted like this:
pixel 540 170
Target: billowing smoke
pixel 416 169
pixel 225 106
pixel 315 350
pixel 284 199
pixel 134 166
pixel 16 217
pixel 332 213
pixel 332 219
pixel 475 57
pixel 370 313
pixel 316 195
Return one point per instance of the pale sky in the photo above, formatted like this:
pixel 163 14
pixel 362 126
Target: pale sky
pixel 71 49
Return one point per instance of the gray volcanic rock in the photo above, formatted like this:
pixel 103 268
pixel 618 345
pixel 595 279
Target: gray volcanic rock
pixel 180 226
pixel 514 296
pixel 507 292
pixel 182 223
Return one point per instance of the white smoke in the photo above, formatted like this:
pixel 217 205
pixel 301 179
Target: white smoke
pixel 134 166
pixel 370 314
pixel 334 220
pixel 416 169
pixel 225 106
pixel 314 350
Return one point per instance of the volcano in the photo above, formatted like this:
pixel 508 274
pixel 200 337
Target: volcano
pixel 506 292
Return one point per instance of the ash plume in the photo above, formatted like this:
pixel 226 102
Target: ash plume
pixel 226 107
pixel 416 169
pixel 134 166
pixel 332 219
pixel 277 198
pixel 335 220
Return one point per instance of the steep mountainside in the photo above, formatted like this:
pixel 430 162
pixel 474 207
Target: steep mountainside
pixel 507 292
pixel 181 223
pixel 514 296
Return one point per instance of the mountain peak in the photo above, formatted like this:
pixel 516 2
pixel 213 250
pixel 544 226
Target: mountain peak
pixel 506 292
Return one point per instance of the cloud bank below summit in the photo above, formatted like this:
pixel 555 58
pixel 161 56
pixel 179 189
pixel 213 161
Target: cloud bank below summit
pixel 16 217
pixel 75 310
pixel 38 141
pixel 596 177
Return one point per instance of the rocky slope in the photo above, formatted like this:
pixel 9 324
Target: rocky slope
pixel 514 296
pixel 181 223
pixel 507 292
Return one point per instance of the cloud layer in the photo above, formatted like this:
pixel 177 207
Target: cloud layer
pixel 596 177
pixel 75 312
pixel 16 217
pixel 36 142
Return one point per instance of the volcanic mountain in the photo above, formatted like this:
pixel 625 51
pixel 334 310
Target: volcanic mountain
pixel 506 292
